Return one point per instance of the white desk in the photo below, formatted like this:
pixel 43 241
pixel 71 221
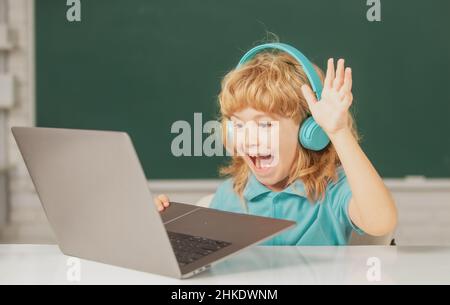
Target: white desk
pixel 37 264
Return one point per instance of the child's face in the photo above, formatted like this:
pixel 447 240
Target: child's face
pixel 268 144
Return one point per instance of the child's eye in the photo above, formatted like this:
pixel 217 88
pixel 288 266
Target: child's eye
pixel 238 125
pixel 265 124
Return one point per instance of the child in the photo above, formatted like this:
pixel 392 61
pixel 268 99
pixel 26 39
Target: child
pixel 328 193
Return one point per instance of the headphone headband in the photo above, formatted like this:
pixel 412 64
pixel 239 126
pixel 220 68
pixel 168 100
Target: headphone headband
pixel 308 67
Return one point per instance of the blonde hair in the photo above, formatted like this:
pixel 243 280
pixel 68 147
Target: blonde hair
pixel 271 82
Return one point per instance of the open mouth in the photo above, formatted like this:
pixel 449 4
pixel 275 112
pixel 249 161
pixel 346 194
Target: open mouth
pixel 262 161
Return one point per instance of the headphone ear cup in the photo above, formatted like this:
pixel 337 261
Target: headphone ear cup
pixel 311 135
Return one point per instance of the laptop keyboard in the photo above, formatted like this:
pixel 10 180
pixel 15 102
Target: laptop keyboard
pixel 190 248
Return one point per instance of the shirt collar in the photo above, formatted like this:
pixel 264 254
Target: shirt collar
pixel 254 189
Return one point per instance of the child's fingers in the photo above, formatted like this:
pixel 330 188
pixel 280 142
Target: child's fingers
pixel 339 80
pixel 329 78
pixel 158 204
pixel 309 96
pixel 348 99
pixel 347 86
pixel 164 200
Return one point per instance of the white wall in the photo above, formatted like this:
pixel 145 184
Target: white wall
pixel 424 211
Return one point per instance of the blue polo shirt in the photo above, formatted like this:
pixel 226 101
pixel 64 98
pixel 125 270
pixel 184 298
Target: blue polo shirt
pixel 325 222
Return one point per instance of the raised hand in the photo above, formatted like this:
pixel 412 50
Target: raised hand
pixel 331 112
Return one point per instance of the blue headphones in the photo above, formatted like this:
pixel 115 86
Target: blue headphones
pixel 311 136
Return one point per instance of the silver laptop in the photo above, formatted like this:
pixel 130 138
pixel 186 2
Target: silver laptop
pixel 96 198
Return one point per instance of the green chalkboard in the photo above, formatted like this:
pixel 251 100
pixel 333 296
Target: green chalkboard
pixel 140 65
